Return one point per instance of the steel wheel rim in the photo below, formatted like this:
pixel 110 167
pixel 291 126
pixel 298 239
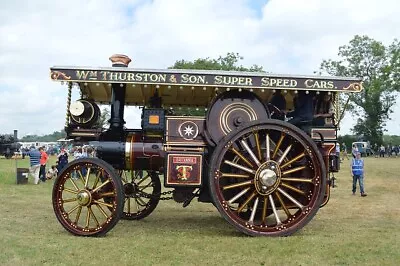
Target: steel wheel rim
pixel 136 206
pixel 86 198
pixel 245 207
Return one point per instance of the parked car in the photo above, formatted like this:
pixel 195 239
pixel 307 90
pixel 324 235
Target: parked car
pixel 363 147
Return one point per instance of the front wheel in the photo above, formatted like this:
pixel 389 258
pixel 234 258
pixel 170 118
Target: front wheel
pixel 88 197
pixel 267 179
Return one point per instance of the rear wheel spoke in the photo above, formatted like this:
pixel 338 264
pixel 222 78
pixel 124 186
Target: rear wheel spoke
pixel 241 184
pixel 250 152
pixel 253 211
pixel 271 200
pixel 298 204
pixel 283 204
pixel 238 195
pixel 248 170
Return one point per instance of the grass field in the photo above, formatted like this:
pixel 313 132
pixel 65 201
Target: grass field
pixel 349 230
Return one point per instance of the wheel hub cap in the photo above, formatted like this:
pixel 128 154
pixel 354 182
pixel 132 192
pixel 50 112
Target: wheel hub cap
pixel 267 178
pixel 83 197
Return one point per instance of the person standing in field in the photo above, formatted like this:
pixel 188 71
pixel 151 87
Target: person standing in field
pixel 345 151
pixel 34 169
pixel 43 160
pixel 358 172
pixel 62 159
pixel 382 151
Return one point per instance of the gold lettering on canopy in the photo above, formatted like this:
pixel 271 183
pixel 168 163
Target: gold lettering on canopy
pixel 318 84
pixel 193 79
pixel 278 82
pixel 233 81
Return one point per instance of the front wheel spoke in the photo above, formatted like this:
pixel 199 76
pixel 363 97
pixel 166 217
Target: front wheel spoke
pixel 293 188
pixel 264 211
pixel 107 194
pixel 71 191
pixel 102 185
pixel 234 175
pixel 241 167
pixel 253 212
pixel 283 156
pixel 73 183
pixel 301 155
pixel 81 177
pixel 241 184
pixel 298 204
pixel 256 137
pixel 247 201
pixel 242 157
pixel 271 200
pixel 250 152
pixel 94 216
pixel 78 214
pixel 294 179
pixel 283 204
pixel 87 177
pixel 293 170
pixel 73 209
pixel 238 195
pixel 69 200
pixel 102 211
pixel 87 218
pixel 96 181
pixel 103 203
pixel 277 146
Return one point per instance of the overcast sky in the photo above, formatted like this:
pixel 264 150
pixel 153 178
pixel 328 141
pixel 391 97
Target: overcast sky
pixel 284 36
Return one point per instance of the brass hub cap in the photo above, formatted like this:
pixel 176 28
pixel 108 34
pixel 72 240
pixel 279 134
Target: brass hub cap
pixel 267 178
pixel 84 197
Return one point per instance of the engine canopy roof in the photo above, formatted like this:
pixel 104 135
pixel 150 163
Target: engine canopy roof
pixel 182 87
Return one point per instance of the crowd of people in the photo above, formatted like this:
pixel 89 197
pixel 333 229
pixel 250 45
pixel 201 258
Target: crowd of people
pixel 39 158
pixel 388 151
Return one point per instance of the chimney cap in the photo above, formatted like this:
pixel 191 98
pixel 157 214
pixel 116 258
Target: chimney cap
pixel 120 60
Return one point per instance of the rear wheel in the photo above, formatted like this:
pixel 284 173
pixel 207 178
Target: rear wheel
pixel 267 178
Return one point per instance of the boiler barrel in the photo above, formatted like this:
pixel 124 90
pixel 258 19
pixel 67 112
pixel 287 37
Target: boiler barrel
pixel 136 153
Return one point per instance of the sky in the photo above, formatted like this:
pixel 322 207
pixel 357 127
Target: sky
pixel 283 36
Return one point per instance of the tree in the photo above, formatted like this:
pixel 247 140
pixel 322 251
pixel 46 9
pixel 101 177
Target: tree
pixel 56 135
pixel 227 63
pixel 379 67
pixel 103 119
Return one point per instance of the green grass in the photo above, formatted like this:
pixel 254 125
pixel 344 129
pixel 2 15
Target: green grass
pixel 349 230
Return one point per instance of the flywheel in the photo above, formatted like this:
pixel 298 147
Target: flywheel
pixel 230 110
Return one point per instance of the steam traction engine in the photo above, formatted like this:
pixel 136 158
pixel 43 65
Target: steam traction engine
pixel 265 176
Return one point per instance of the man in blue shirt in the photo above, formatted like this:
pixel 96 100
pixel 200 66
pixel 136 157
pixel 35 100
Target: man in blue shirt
pixel 357 171
pixel 34 158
